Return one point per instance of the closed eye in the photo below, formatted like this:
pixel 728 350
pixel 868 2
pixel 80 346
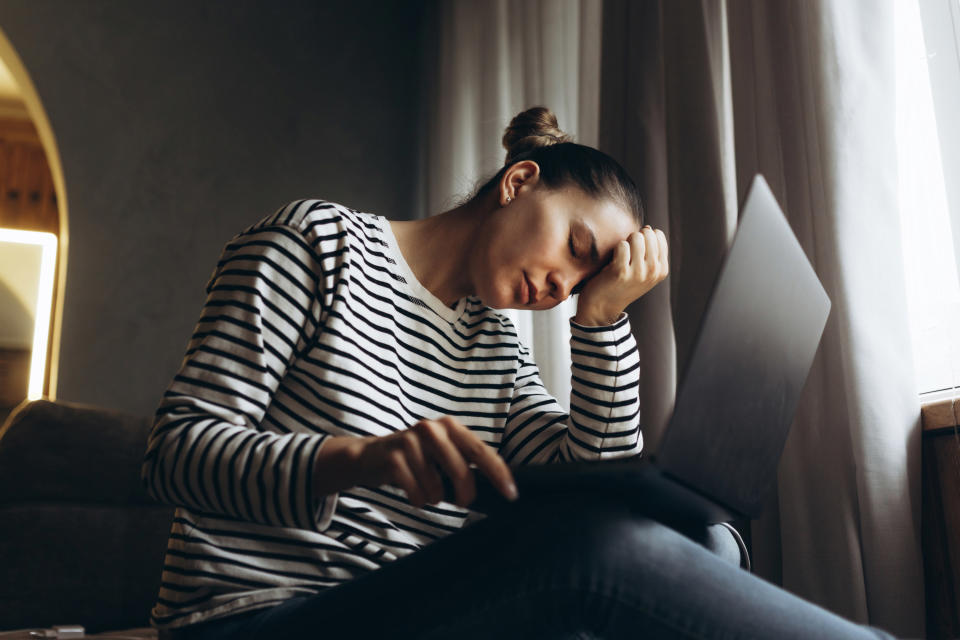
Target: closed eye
pixel 573 252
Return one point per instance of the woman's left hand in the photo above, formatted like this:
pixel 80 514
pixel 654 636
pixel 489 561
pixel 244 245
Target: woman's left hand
pixel 639 264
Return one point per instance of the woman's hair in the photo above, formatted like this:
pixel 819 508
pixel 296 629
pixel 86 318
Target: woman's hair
pixel 534 135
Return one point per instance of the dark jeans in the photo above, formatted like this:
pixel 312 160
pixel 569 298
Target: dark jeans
pixel 575 567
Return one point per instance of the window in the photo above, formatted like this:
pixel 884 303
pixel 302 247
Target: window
pixel 928 146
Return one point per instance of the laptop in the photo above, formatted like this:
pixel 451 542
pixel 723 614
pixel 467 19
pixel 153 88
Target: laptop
pixel 717 458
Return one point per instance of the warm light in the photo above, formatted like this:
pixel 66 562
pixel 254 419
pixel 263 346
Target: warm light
pixel 48 258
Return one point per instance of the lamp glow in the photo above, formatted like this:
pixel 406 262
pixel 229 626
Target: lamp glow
pixel 41 324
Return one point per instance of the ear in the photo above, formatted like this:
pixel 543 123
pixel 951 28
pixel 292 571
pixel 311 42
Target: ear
pixel 518 179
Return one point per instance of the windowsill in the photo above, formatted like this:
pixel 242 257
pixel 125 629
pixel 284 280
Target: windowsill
pixel 940 414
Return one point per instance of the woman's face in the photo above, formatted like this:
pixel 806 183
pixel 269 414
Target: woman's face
pixel 541 247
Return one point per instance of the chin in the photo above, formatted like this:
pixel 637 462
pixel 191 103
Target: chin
pixel 498 303
pixel 498 300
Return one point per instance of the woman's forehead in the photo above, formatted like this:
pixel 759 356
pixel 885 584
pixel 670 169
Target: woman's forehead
pixel 605 210
pixel 605 217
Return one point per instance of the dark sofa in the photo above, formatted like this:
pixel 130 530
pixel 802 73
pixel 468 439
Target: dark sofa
pixel 80 541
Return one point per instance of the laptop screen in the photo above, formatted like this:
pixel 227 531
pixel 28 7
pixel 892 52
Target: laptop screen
pixel 756 344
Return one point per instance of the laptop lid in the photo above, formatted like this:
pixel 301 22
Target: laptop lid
pixel 738 394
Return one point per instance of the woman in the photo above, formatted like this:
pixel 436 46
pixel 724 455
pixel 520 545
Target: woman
pixel 344 366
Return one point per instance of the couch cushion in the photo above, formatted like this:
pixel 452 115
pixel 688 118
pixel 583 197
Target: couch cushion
pixel 94 565
pixel 66 451
pixel 80 541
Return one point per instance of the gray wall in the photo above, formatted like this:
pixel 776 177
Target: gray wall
pixel 180 123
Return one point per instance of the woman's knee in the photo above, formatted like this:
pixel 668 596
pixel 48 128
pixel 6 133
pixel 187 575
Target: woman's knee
pixel 641 534
pixel 725 541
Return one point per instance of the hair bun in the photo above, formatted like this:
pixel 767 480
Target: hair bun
pixel 535 127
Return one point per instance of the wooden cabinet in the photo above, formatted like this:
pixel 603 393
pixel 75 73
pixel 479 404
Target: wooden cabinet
pixel 27 196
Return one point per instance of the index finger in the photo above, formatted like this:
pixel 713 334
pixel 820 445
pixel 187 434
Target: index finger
pixel 488 461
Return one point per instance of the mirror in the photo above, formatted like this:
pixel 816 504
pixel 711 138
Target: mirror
pixel 32 240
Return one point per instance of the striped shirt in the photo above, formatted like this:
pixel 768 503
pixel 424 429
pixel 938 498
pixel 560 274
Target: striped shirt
pixel 314 326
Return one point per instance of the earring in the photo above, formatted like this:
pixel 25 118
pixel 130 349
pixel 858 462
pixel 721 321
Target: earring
pixel 508 199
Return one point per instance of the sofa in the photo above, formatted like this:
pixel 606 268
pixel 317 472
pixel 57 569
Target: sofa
pixel 81 543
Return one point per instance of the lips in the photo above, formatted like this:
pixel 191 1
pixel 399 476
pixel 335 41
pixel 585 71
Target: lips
pixel 530 290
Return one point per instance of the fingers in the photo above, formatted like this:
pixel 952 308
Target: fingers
pixel 430 485
pixel 488 461
pixel 621 255
pixel 655 257
pixel 651 245
pixel 437 444
pixel 638 248
pixel 663 255
pixel 415 458
pixel 403 477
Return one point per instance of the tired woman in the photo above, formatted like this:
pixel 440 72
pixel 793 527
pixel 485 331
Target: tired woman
pixel 345 367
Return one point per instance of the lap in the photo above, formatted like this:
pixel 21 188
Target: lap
pixel 545 571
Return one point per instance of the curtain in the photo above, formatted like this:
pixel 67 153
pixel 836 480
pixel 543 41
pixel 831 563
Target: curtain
pixel 697 97
pixel 485 62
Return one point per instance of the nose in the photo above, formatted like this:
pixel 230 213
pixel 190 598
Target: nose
pixel 561 284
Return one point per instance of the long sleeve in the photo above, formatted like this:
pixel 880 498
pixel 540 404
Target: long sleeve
pixel 210 449
pixel 604 418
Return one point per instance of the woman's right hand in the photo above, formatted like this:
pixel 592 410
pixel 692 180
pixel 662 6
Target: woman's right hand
pixel 415 458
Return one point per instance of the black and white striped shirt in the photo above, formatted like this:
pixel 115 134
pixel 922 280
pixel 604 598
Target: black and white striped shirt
pixel 314 326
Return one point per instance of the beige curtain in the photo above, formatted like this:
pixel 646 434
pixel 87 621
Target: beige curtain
pixel 486 61
pixel 697 96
